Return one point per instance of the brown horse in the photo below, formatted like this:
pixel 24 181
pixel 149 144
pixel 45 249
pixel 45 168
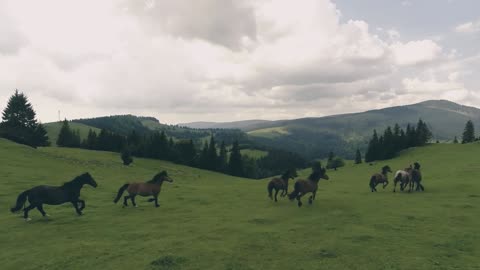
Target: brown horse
pixel 415 176
pixel 281 183
pixel 380 178
pixel 149 188
pixel 303 187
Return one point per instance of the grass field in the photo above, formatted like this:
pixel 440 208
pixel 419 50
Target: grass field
pixel 212 221
pixel 53 129
pixel 270 133
pixel 254 153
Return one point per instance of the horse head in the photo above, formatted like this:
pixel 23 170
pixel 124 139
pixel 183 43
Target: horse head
pixel 416 166
pixel 162 176
pixel 386 169
pixel 86 178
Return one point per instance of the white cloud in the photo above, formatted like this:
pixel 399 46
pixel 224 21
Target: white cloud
pixel 210 59
pixel 468 27
pixel 415 52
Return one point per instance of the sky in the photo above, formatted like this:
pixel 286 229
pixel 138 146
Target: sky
pixel 227 60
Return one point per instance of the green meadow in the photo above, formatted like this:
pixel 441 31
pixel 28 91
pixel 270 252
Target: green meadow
pixel 209 220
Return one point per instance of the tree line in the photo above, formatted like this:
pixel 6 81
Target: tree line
pixel 157 145
pixel 394 140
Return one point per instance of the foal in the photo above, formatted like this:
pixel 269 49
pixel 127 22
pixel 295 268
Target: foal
pixel 416 177
pixel 281 184
pixel 380 178
pixel 303 187
pixel 402 176
pixel 149 188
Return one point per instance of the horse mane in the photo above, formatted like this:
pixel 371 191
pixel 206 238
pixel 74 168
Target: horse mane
pixel 158 177
pixel 286 175
pixel 75 181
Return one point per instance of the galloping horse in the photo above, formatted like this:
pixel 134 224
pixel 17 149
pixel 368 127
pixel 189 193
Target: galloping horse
pixel 402 176
pixel 380 178
pixel 281 183
pixel 149 188
pixel 40 195
pixel 416 176
pixel 303 187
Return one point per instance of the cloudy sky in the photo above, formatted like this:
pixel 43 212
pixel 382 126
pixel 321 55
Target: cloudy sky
pixel 224 60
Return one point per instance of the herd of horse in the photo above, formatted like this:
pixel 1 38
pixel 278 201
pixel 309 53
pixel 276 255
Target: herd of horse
pixel 70 191
pixel 410 177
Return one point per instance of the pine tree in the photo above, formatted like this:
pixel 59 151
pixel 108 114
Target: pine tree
pixel 91 142
pixel 223 158
pixel 358 157
pixel 126 157
pixel 372 150
pixel 423 134
pixel 65 136
pixel 331 155
pixel 455 140
pixel 469 132
pixel 19 123
pixel 203 159
pixel 235 163
pixel 212 157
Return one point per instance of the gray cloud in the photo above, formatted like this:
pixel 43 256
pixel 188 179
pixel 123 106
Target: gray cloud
pixel 223 22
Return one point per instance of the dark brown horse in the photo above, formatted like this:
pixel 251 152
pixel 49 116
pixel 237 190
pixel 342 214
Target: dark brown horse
pixel 149 188
pixel 380 178
pixel 416 177
pixel 303 187
pixel 40 195
pixel 281 183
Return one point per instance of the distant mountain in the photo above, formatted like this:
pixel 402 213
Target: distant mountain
pixel 243 125
pixel 315 137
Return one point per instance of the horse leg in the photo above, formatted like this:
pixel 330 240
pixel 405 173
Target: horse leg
pixel 310 199
pixel 25 212
pixel 394 185
pixel 75 205
pixel 299 202
pixel 375 187
pixel 83 204
pixel 314 194
pixel 40 208
pixel 385 184
pixel 125 199
pixel 132 198
pixel 276 192
pixel 156 200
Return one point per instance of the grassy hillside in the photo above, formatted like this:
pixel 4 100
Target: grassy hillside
pixel 213 221
pixel 53 129
pixel 343 134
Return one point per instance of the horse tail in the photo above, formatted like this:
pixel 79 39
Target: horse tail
pixel 120 192
pixel 295 191
pixel 22 198
pixel 270 189
pixel 372 181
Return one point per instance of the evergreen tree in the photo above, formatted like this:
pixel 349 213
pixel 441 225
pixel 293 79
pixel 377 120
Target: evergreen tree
pixel 423 134
pixel 19 123
pixel 187 152
pixel 372 150
pixel 358 157
pixel 66 136
pixel 335 163
pixel 235 165
pixel 455 140
pixel 212 156
pixel 203 159
pixel 91 142
pixel 469 132
pixel 126 157
pixel 223 158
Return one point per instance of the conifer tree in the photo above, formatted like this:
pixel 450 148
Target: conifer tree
pixel 223 158
pixel 358 157
pixel 469 132
pixel 235 162
pixel 19 123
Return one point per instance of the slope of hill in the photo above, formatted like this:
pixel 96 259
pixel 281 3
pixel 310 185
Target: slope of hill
pixel 212 221
pixel 53 129
pixel 315 137
pixel 243 125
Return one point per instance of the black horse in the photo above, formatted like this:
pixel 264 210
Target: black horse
pixel 40 195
